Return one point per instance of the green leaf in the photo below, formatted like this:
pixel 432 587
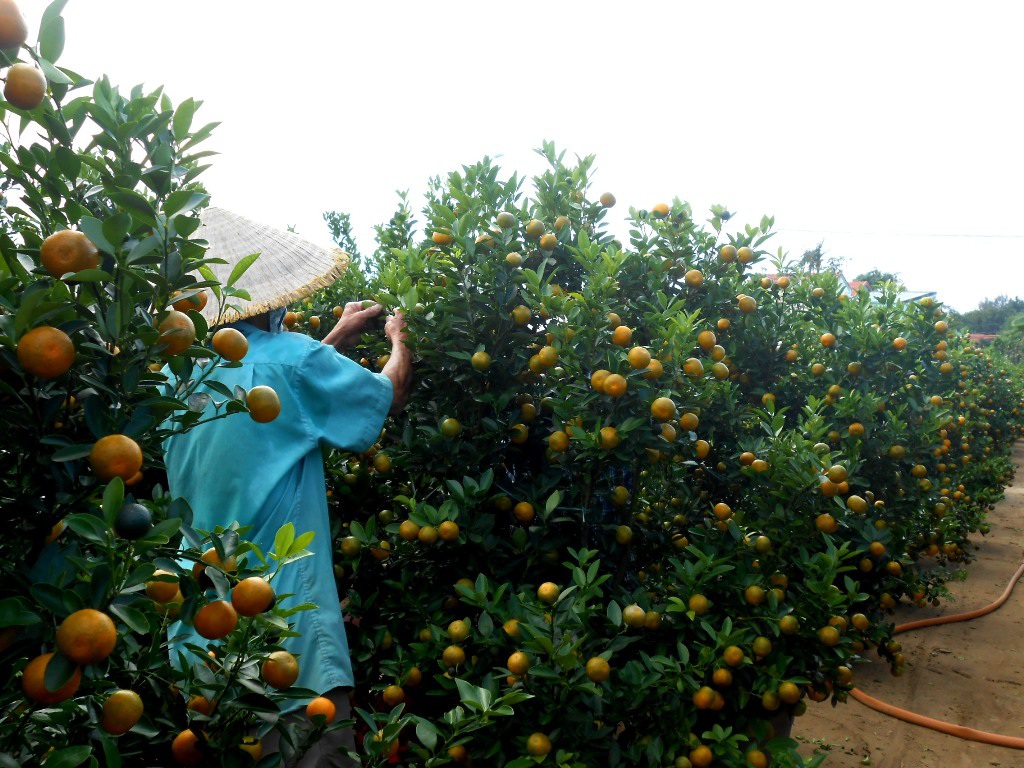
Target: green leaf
pixel 183 119
pixel 69 162
pixel 283 541
pixel 88 526
pixel 99 584
pixel 134 618
pixel 140 575
pixel 220 388
pixel 427 734
pixel 71 452
pixel 197 401
pixel 92 276
pixel 113 498
pixel 201 135
pixel 514 697
pixel 240 268
pixel 183 201
pixel 301 543
pixel 485 480
pixel 553 501
pixel 51 39
pixel 485 624
pixel 143 248
pixel 207 274
pixel 93 229
pixel 192 538
pixel 297 556
pixel 69 757
pixel 111 753
pixel 54 75
pixel 136 204
pixel 472 696
pixel 456 488
pixel 160 533
pixel 116 228
pixel 300 607
pixel 53 11
pixel 16 612
pixel 49 596
pixel 59 669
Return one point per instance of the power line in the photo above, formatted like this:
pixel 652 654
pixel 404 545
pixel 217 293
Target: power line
pixel 904 234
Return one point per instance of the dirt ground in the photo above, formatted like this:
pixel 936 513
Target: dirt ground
pixel 968 673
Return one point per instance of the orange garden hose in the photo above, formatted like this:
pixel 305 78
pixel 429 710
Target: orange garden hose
pixel 963 732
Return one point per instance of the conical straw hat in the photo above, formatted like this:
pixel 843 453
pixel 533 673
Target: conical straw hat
pixel 287 270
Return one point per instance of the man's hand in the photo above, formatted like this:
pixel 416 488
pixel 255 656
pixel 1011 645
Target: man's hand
pixel 394 328
pixel 399 366
pixel 354 320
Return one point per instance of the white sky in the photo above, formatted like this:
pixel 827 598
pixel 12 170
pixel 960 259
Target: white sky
pixel 890 130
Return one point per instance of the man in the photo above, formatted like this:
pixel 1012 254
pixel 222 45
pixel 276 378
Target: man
pixel 264 475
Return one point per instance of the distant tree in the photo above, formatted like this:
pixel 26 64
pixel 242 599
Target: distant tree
pixel 1010 341
pixel 340 225
pixel 813 259
pixel 834 264
pixel 876 277
pixel 993 315
pixel 398 233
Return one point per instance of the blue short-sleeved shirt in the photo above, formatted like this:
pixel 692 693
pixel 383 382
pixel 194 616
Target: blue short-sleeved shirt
pixel 266 475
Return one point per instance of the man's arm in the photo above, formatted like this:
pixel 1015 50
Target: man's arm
pixel 399 366
pixel 353 321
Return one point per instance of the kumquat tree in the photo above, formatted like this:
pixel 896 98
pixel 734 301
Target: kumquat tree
pixel 646 502
pixel 663 494
pixel 102 274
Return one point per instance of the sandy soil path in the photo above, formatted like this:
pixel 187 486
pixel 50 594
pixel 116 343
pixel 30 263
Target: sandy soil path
pixel 969 673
